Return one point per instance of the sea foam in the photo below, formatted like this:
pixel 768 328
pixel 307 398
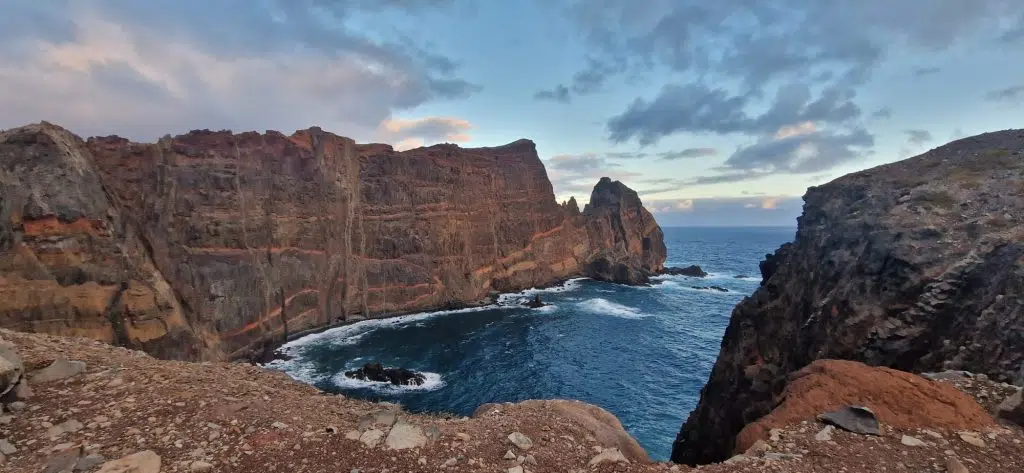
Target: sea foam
pixel 603 306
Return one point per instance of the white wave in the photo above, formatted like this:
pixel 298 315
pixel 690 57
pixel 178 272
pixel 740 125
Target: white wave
pixel 433 381
pixel 521 296
pixel 709 290
pixel 547 309
pixel 352 333
pixel 731 276
pixel 602 306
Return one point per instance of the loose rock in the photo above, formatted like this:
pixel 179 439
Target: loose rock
pixel 856 419
pixel 954 466
pixel 521 441
pixel 200 467
pixel 608 455
pixel 825 434
pixel 912 441
pixel 972 438
pixel 142 462
pixel 58 370
pixel 371 438
pixel 405 435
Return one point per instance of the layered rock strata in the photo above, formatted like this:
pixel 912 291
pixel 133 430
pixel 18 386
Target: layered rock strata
pixel 214 245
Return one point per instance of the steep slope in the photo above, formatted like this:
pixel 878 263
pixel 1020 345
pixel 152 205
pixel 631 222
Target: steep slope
pixel 916 265
pixel 238 240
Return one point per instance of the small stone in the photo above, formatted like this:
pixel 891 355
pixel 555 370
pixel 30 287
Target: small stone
pixel 912 441
pixel 385 418
pixel 520 440
pixel 5 420
pixel 463 436
pixel 954 466
pixel 516 469
pixel 63 461
pixel 531 460
pixel 371 438
pixel 781 456
pixel 825 434
pixel 736 459
pixel 757 449
pixel 66 427
pixel 200 466
pixel 142 462
pixel 88 462
pixel 520 459
pixel 353 434
pixel 509 455
pixel 7 448
pixel 279 425
pixel 23 391
pixel 16 406
pixel 115 382
pixel 972 438
pixel 58 370
pixel 775 435
pixel 422 461
pixel 450 462
pixel 608 455
pixel 931 433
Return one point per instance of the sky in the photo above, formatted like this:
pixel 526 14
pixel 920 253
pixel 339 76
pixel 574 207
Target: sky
pixel 717 113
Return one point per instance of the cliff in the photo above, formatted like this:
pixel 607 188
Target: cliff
pixel 916 265
pixel 214 245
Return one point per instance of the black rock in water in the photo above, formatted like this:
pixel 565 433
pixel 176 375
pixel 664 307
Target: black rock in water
pixel 535 302
pixel 741 276
pixel 711 288
pixel 693 271
pixel 396 376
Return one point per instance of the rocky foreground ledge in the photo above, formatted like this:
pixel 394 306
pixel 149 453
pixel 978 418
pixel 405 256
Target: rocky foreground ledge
pixel 88 406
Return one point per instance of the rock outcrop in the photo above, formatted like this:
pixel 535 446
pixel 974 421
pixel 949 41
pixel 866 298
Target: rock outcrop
pixel 916 265
pixel 214 245
pixel 630 244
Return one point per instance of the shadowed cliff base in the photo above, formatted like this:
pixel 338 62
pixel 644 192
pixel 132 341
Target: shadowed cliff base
pixel 215 245
pixel 916 265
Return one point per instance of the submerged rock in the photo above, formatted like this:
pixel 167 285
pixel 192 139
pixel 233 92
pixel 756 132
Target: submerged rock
pixel 396 376
pixel 692 271
pixel 535 302
pixel 710 288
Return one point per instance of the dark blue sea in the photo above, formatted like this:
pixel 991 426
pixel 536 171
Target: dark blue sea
pixel 642 353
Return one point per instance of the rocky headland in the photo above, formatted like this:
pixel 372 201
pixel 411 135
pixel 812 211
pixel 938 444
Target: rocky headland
pixel 916 265
pixel 217 246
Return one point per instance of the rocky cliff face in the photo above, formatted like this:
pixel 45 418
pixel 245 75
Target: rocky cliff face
pixel 215 245
pixel 916 265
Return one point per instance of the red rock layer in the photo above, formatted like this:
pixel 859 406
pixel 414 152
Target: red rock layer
pixel 899 399
pixel 255 236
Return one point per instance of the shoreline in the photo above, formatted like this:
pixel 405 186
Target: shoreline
pixel 272 350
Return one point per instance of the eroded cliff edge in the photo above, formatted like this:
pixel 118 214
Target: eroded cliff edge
pixel 916 265
pixel 214 245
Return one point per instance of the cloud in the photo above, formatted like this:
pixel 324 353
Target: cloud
pixel 143 69
pixel 926 71
pixel 575 175
pixel 753 44
pixel 727 211
pixel 699 109
pixel 559 93
pixel 1010 94
pixel 688 153
pixel 918 137
pixel 883 113
pixel 410 134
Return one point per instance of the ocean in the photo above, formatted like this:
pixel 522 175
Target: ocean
pixel 642 353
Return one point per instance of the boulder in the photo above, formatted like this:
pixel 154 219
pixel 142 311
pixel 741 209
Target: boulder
pixel 11 368
pixel 377 372
pixel 58 370
pixel 535 302
pixel 404 436
pixel 856 419
pixel 1012 408
pixel 692 271
pixel 142 462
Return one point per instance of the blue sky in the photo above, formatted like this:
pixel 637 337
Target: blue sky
pixel 718 113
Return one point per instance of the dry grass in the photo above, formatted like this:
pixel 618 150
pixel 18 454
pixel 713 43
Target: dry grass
pixel 938 198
